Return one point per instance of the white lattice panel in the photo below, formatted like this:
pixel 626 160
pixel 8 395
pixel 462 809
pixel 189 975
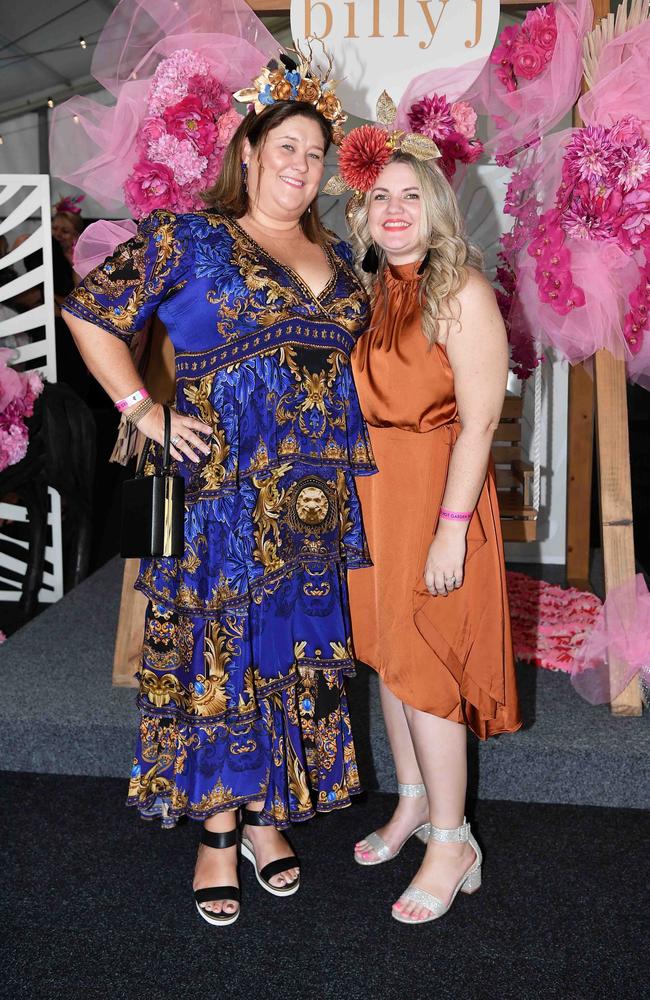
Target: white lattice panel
pixel 25 208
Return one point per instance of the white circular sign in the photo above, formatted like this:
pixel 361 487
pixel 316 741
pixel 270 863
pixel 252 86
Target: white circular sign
pixel 384 44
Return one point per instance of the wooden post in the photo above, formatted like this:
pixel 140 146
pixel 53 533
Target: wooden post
pixel 130 629
pixel 615 488
pixel 613 448
pixel 160 379
pixel 580 445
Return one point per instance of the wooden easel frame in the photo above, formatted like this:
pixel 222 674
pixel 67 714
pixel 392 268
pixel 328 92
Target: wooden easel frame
pixel 605 396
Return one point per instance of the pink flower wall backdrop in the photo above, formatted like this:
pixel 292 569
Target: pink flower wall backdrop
pixel 18 392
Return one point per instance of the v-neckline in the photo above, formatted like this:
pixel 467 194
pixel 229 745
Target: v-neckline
pixel 293 274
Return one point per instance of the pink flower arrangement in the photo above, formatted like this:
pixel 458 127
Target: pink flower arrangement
pixel 182 140
pixel 604 196
pixel 18 391
pixel 524 209
pixel 524 51
pixel 451 126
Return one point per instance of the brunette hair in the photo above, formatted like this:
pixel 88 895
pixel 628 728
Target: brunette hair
pixel 443 234
pixel 230 196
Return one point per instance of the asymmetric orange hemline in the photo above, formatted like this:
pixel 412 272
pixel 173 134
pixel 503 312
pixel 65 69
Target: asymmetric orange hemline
pixel 449 656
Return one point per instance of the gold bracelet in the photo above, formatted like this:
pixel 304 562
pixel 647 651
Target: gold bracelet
pixel 138 413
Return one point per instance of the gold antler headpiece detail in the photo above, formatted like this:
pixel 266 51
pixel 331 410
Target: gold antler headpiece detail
pixel 301 80
pixel 366 150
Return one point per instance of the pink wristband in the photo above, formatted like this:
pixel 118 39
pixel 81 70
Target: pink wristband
pixel 135 397
pixel 455 515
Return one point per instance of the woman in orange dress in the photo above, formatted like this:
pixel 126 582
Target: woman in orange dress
pixel 431 615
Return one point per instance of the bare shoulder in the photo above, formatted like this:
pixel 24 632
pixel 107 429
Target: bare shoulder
pixel 477 292
pixel 480 330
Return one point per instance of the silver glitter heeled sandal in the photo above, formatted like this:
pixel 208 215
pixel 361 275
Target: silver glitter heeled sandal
pixel 377 844
pixel 468 883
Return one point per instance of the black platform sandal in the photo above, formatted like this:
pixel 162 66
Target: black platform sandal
pixel 219 892
pixel 274 867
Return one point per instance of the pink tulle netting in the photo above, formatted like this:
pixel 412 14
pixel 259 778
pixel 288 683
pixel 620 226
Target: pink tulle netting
pixel 603 270
pixel 515 118
pixel 617 647
pixel 98 240
pixel 537 105
pixel 93 146
pixel 621 86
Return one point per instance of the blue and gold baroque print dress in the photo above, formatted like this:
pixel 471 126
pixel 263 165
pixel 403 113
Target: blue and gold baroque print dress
pixel 247 637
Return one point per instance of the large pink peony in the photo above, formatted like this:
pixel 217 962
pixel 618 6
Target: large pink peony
pixel 150 186
pixel 189 120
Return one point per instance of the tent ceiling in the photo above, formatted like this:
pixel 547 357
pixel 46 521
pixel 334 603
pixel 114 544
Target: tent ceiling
pixel 40 54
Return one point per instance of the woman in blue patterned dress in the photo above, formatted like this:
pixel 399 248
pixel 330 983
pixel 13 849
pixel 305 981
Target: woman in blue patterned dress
pixel 247 637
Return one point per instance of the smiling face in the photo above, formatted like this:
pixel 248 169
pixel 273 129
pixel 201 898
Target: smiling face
pixel 395 214
pixel 285 173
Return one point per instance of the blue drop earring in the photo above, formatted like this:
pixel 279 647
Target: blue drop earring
pixel 244 176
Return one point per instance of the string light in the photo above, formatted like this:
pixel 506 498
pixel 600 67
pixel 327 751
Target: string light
pixel 82 41
pixel 50 102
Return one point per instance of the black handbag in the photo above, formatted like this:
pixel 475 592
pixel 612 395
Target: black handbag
pixel 153 508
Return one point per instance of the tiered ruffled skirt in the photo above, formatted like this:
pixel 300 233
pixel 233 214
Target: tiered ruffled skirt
pixel 245 699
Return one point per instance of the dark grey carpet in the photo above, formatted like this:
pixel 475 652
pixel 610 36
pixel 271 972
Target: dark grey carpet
pixel 97 905
pixel 60 714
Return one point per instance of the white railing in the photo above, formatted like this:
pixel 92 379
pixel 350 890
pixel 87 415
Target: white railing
pixel 25 207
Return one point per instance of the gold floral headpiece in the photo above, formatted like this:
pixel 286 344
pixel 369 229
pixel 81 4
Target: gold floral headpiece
pixel 301 80
pixel 366 150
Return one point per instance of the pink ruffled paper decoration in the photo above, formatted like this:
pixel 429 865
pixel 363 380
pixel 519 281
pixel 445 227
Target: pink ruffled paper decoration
pixel 93 146
pixel 617 647
pixel 549 623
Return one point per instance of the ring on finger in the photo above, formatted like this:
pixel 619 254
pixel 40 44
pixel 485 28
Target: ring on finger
pixel 176 438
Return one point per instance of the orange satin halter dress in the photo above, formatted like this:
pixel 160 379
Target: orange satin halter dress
pixel 449 656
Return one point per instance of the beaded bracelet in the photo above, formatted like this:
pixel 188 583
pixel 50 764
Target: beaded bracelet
pixel 136 397
pixel 455 515
pixel 136 415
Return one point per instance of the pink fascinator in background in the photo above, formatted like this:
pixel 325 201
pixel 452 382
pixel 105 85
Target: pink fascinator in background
pixel 69 204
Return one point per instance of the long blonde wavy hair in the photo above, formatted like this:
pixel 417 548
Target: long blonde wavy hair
pixel 443 234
